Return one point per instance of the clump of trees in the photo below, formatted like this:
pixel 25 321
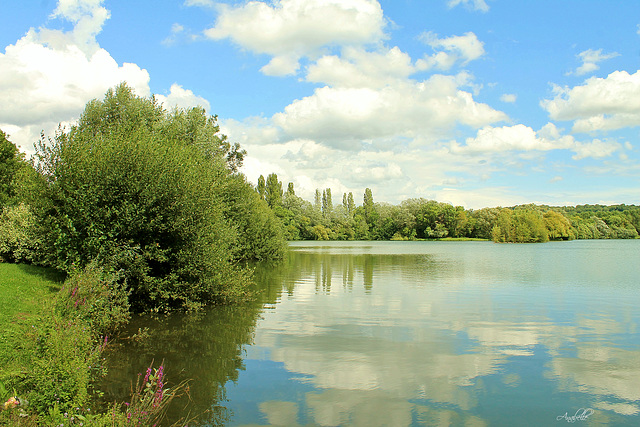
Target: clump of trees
pixel 152 194
pixel 427 219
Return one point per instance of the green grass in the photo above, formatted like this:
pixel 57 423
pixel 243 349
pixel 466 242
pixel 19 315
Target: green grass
pixel 51 348
pixel 23 292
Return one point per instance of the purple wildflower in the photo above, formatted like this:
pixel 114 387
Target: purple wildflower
pixel 160 391
pixel 146 377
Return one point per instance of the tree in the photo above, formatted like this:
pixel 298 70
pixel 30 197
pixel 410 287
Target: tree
pixel 351 206
pixel 273 192
pixel 369 208
pixel 327 204
pixel 317 203
pixel 290 190
pixel 259 230
pixel 11 160
pixel 558 226
pixel 520 225
pixel 261 188
pixel 144 191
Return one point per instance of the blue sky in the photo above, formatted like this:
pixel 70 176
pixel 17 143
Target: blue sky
pixel 472 102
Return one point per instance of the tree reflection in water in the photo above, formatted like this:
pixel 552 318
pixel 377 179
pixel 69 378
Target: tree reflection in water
pixel 409 334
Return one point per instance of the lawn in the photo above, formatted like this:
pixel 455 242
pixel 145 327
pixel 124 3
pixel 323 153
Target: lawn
pixel 23 291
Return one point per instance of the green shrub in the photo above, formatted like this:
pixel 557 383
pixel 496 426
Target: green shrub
pixel 11 161
pixel 61 350
pixel 65 361
pixel 98 297
pixel 19 239
pixel 259 230
pixel 140 190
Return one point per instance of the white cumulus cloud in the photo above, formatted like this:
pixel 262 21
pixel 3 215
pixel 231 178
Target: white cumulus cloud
pixel 356 67
pixel 451 50
pixel 523 138
pixel 508 138
pixel 480 5
pixel 590 59
pixel 179 97
pixel 509 98
pixel 48 76
pixel 428 109
pixel 291 29
pixel 283 65
pixel 87 17
pixel 599 104
pixel 596 149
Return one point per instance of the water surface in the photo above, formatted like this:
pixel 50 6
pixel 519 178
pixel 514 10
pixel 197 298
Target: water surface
pixel 414 333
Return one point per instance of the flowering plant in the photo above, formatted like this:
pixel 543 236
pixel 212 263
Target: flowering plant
pixel 150 398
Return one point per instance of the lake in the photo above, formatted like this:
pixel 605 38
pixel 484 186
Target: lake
pixel 411 333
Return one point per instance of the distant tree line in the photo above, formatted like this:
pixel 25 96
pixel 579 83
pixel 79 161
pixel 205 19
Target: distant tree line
pixel 419 218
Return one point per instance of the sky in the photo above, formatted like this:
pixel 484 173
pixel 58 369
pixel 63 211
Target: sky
pixel 477 103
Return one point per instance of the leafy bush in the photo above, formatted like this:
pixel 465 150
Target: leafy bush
pixel 19 239
pixel 260 232
pixel 98 297
pixel 11 161
pixel 140 190
pixel 65 359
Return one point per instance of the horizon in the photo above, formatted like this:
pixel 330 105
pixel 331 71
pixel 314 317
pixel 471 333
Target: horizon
pixel 463 102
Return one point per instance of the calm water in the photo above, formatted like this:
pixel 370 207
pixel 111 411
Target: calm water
pixel 413 333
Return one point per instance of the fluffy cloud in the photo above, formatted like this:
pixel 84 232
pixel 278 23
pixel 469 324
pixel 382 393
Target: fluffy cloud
pixel 375 172
pixel 509 97
pixel 509 138
pixel 480 5
pixel 429 108
pixel 47 76
pixel 523 138
pixel 590 59
pixel 357 68
pixel 596 149
pixel 87 17
pixel 599 104
pixel 182 98
pixel 201 3
pixel 291 29
pixel 283 65
pixel 455 49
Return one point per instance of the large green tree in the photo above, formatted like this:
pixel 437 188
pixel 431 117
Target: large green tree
pixel 146 191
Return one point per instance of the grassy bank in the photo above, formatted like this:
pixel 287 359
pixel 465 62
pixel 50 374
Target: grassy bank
pixel 53 337
pixel 24 293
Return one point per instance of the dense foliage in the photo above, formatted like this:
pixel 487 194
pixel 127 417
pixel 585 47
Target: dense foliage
pixel 11 161
pixel 428 219
pixel 153 194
